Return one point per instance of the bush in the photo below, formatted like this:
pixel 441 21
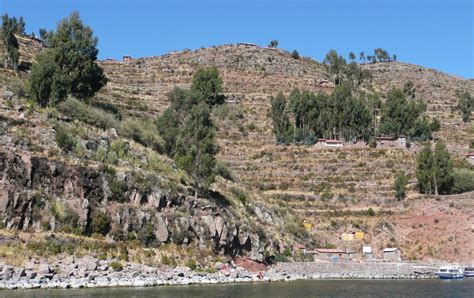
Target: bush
pixel 242 196
pixel 116 266
pixel 88 114
pixel 143 132
pixel 191 264
pixel 463 181
pixel 400 185
pixel 64 138
pixel 224 171
pixel 370 212
pixel 100 223
pixel 295 54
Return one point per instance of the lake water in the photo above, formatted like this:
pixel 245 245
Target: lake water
pixel 314 288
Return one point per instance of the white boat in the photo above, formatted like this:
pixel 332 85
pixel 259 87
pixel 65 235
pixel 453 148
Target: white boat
pixel 450 272
pixel 469 271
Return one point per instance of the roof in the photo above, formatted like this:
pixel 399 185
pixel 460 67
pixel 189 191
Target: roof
pixel 333 141
pixel 470 153
pixel 390 249
pixel 386 138
pixel 329 251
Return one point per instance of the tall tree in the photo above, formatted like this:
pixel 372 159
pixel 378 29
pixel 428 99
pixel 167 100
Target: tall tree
pixel 434 170
pixel 10 42
pixel 424 166
pixel 352 56
pixel 401 181
pixel 207 82
pixel 279 116
pixel 442 169
pixel 273 44
pixel 20 28
pixel 73 51
pixel 196 147
pixel 362 56
pixel 465 105
pixel 335 64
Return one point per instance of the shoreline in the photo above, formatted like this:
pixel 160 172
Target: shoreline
pixel 134 275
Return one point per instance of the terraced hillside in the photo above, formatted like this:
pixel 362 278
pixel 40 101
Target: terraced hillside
pixel 331 188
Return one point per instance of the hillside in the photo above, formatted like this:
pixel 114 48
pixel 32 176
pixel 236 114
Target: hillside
pixel 330 188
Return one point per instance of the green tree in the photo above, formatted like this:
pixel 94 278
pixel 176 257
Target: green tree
pixel 465 105
pixel 196 147
pixel 281 123
pixel 442 169
pixel 73 52
pixel 273 44
pixel 424 166
pixel 434 170
pixel 295 54
pixel 10 42
pixel 206 82
pixel 362 56
pixel 335 64
pixel 352 56
pixel 20 28
pixel 401 181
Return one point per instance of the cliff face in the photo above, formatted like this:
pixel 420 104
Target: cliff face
pixel 31 186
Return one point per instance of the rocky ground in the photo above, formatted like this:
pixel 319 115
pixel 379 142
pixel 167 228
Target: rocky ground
pixel 90 272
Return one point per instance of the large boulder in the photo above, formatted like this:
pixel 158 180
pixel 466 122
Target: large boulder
pixel 161 231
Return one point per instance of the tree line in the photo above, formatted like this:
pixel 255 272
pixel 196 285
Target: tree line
pixel 304 116
pixel 10 27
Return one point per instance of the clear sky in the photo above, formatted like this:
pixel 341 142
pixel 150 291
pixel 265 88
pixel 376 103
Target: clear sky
pixel 432 33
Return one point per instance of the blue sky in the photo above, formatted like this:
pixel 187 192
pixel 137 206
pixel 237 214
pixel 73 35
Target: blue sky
pixel 432 33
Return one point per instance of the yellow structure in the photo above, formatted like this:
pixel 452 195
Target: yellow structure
pixel 307 225
pixel 359 235
pixel 347 236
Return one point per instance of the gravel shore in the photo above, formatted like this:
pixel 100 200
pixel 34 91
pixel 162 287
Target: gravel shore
pixel 89 272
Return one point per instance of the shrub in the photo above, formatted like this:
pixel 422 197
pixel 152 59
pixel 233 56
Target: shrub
pixel 64 138
pixel 88 114
pixel 143 132
pixel 100 223
pixel 224 171
pixel 241 195
pixel 116 266
pixel 400 185
pixel 370 212
pixel 295 54
pixel 463 181
pixel 191 264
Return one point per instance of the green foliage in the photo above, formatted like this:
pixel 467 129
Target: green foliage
pixel 401 181
pixel 406 117
pixel 208 85
pixel 281 123
pixel 463 181
pixel 224 171
pixel 434 170
pixel 352 56
pixel 335 65
pixel 146 235
pixel 144 132
pixel 116 266
pixel 370 212
pixel 339 115
pixel 10 27
pixel 273 44
pixel 100 223
pixel 87 114
pixel 191 264
pixel 239 194
pixel 68 66
pixel 65 139
pixel 295 54
pixel 196 147
pixel 466 105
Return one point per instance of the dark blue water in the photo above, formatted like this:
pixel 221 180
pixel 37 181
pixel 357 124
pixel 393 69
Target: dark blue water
pixel 316 288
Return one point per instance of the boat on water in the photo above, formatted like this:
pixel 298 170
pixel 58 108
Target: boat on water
pixel 469 271
pixel 450 272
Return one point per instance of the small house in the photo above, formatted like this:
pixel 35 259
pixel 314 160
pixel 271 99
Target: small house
pixel 367 252
pixel 126 59
pixel 399 142
pixel 391 254
pixel 358 235
pixel 332 254
pixel 347 236
pixel 333 143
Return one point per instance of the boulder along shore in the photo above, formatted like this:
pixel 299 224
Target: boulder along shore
pixel 90 272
